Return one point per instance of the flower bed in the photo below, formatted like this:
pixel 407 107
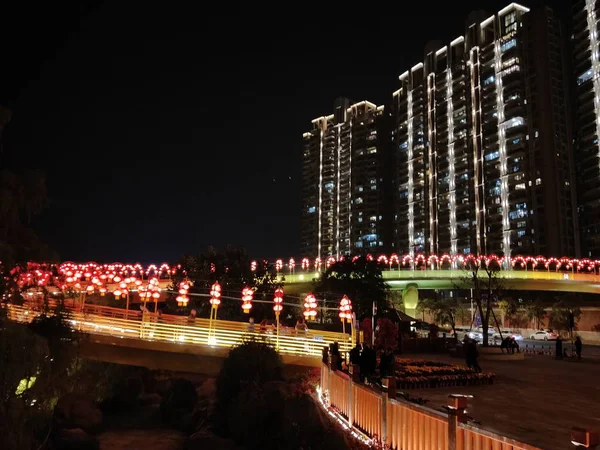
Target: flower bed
pixel 416 374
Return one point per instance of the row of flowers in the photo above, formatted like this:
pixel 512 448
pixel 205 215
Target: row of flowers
pixel 430 371
pixel 421 363
pixel 470 379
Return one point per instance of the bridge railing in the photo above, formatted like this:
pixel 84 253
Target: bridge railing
pixel 400 424
pixel 460 274
pixel 177 329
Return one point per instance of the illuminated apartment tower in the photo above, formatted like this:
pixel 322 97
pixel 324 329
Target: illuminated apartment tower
pixel 586 66
pixel 484 142
pixel 342 193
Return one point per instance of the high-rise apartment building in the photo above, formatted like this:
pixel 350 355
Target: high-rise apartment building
pixel 586 67
pixel 343 193
pixel 475 153
pixel 484 142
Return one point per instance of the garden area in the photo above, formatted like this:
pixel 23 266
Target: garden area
pixel 417 374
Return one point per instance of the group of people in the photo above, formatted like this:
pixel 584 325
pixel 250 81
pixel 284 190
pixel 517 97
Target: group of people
pixel 509 344
pixel 366 358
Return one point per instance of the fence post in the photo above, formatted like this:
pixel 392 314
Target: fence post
pixel 457 405
pixel 389 384
pixel 329 389
pixel 350 402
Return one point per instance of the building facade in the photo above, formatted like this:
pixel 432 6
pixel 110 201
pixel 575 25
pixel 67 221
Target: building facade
pixel 343 193
pixel 586 69
pixel 475 153
pixel 484 142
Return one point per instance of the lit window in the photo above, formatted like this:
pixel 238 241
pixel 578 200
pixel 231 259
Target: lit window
pixel 359 200
pixel 372 150
pixel 538 181
pixel 520 186
pixel 312 209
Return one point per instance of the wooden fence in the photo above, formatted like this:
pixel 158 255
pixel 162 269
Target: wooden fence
pixel 403 425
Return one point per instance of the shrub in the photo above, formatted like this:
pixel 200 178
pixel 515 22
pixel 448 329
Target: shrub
pixel 386 334
pixel 250 364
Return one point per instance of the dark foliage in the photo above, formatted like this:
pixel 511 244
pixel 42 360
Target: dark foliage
pixel 360 280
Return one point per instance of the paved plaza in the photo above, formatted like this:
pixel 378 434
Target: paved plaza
pixel 536 401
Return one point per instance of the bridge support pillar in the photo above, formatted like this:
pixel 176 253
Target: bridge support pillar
pixel 410 298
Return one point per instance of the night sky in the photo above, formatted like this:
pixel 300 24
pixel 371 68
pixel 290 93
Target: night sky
pixel 164 130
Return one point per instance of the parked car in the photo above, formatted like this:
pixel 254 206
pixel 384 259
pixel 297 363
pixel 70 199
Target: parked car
pixel 506 333
pixel 544 335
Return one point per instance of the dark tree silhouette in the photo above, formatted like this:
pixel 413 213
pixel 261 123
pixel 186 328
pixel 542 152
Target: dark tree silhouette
pixel 360 280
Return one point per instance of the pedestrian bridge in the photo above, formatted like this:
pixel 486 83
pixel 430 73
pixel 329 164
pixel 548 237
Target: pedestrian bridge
pixel 175 334
pixel 533 280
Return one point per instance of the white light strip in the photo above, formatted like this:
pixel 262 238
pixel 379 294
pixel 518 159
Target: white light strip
pixel 476 118
pixel 512 6
pixel 411 206
pixel 432 155
pixel 350 195
pixel 451 174
pixel 320 189
pixel 591 20
pixel 338 130
pixel 458 40
pixel 502 148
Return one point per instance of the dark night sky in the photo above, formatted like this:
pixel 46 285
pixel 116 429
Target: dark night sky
pixel 165 129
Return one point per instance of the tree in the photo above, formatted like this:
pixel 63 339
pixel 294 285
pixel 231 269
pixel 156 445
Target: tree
pixel 561 312
pixel 535 312
pixel 22 196
pixel 487 287
pixel 231 268
pixel 360 280
pixel 386 334
pixel 443 311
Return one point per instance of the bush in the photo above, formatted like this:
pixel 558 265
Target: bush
pixel 178 403
pixel 250 364
pixel 386 334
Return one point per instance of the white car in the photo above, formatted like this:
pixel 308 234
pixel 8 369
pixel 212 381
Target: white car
pixel 477 334
pixel 544 335
pixel 506 333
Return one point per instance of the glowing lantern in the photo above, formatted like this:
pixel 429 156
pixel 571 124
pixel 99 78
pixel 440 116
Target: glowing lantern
pixel 292 264
pixel 310 307
pixel 182 298
pixel 278 300
pixel 247 295
pixel 117 293
pixel 345 309
pixel 90 289
pixel 102 291
pixel 278 265
pixel 116 279
pixel 305 264
pixel 253 266
pixel 215 295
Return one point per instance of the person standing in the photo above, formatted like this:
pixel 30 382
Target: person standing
pixel 578 346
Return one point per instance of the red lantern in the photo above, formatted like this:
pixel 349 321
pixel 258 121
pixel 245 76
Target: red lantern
pixel 182 298
pixel 310 307
pixel 278 300
pixel 247 295
pixel 345 308
pixel 215 295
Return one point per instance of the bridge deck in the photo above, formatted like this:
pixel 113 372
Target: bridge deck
pixel 174 332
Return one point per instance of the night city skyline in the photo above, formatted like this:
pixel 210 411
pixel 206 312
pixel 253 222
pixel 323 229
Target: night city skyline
pixel 157 141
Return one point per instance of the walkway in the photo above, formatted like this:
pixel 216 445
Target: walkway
pixel 537 400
